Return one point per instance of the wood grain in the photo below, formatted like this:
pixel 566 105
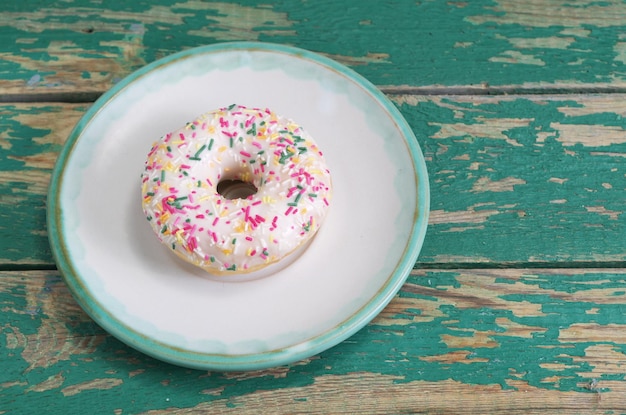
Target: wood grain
pixel 472 341
pixel 66 47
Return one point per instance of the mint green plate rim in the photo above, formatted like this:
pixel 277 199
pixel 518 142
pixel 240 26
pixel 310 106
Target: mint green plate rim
pixel 225 362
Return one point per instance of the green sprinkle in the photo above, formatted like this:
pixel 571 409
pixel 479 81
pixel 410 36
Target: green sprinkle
pixel 162 175
pixel 252 130
pixel 169 149
pixel 292 204
pixel 252 161
pixel 234 241
pixel 312 195
pixel 232 268
pixel 185 173
pixel 302 150
pixel 232 106
pixel 212 259
pixel 197 155
pixel 211 144
pixel 164 228
pixel 297 199
pixel 180 198
pixel 150 194
pixel 199 183
pixel 149 218
pixel 231 142
pixel 261 152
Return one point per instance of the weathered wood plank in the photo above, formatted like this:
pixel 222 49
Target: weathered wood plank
pixel 31 137
pixel 78 46
pixel 471 341
pixel 545 172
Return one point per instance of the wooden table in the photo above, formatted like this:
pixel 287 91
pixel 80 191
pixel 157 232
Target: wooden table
pixel 517 302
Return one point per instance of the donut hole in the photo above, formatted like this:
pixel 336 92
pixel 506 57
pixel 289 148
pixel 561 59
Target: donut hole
pixel 235 189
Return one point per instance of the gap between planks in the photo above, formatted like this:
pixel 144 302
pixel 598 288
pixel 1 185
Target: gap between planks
pixel 436 90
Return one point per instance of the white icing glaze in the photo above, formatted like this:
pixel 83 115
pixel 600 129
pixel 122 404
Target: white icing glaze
pixel 228 236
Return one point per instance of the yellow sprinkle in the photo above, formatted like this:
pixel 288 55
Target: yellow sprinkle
pixel 268 200
pixel 222 149
pixel 211 129
pixel 227 251
pixel 169 167
pixel 165 217
pixel 239 228
pixel 203 198
pixel 179 236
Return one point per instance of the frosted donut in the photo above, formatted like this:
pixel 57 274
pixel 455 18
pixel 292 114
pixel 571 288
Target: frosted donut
pixel 279 194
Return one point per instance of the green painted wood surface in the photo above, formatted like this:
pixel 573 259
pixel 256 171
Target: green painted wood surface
pixel 517 301
pixel 547 172
pixel 520 341
pixel 81 46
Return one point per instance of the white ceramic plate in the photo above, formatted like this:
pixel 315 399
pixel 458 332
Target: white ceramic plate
pixel 145 296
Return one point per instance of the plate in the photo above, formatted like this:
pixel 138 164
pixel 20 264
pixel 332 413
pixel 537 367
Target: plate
pixel 146 297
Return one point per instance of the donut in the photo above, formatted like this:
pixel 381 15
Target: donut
pixel 236 190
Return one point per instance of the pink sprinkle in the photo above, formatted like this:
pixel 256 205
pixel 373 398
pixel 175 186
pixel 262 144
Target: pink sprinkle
pixel 200 216
pixel 253 252
pixel 185 166
pixel 182 136
pixel 214 237
pixel 290 191
pixel 258 202
pixel 244 153
pixel 288 211
pixel 192 243
pixel 257 144
pixel 326 201
pixel 259 218
pixel 215 221
pixel 248 238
